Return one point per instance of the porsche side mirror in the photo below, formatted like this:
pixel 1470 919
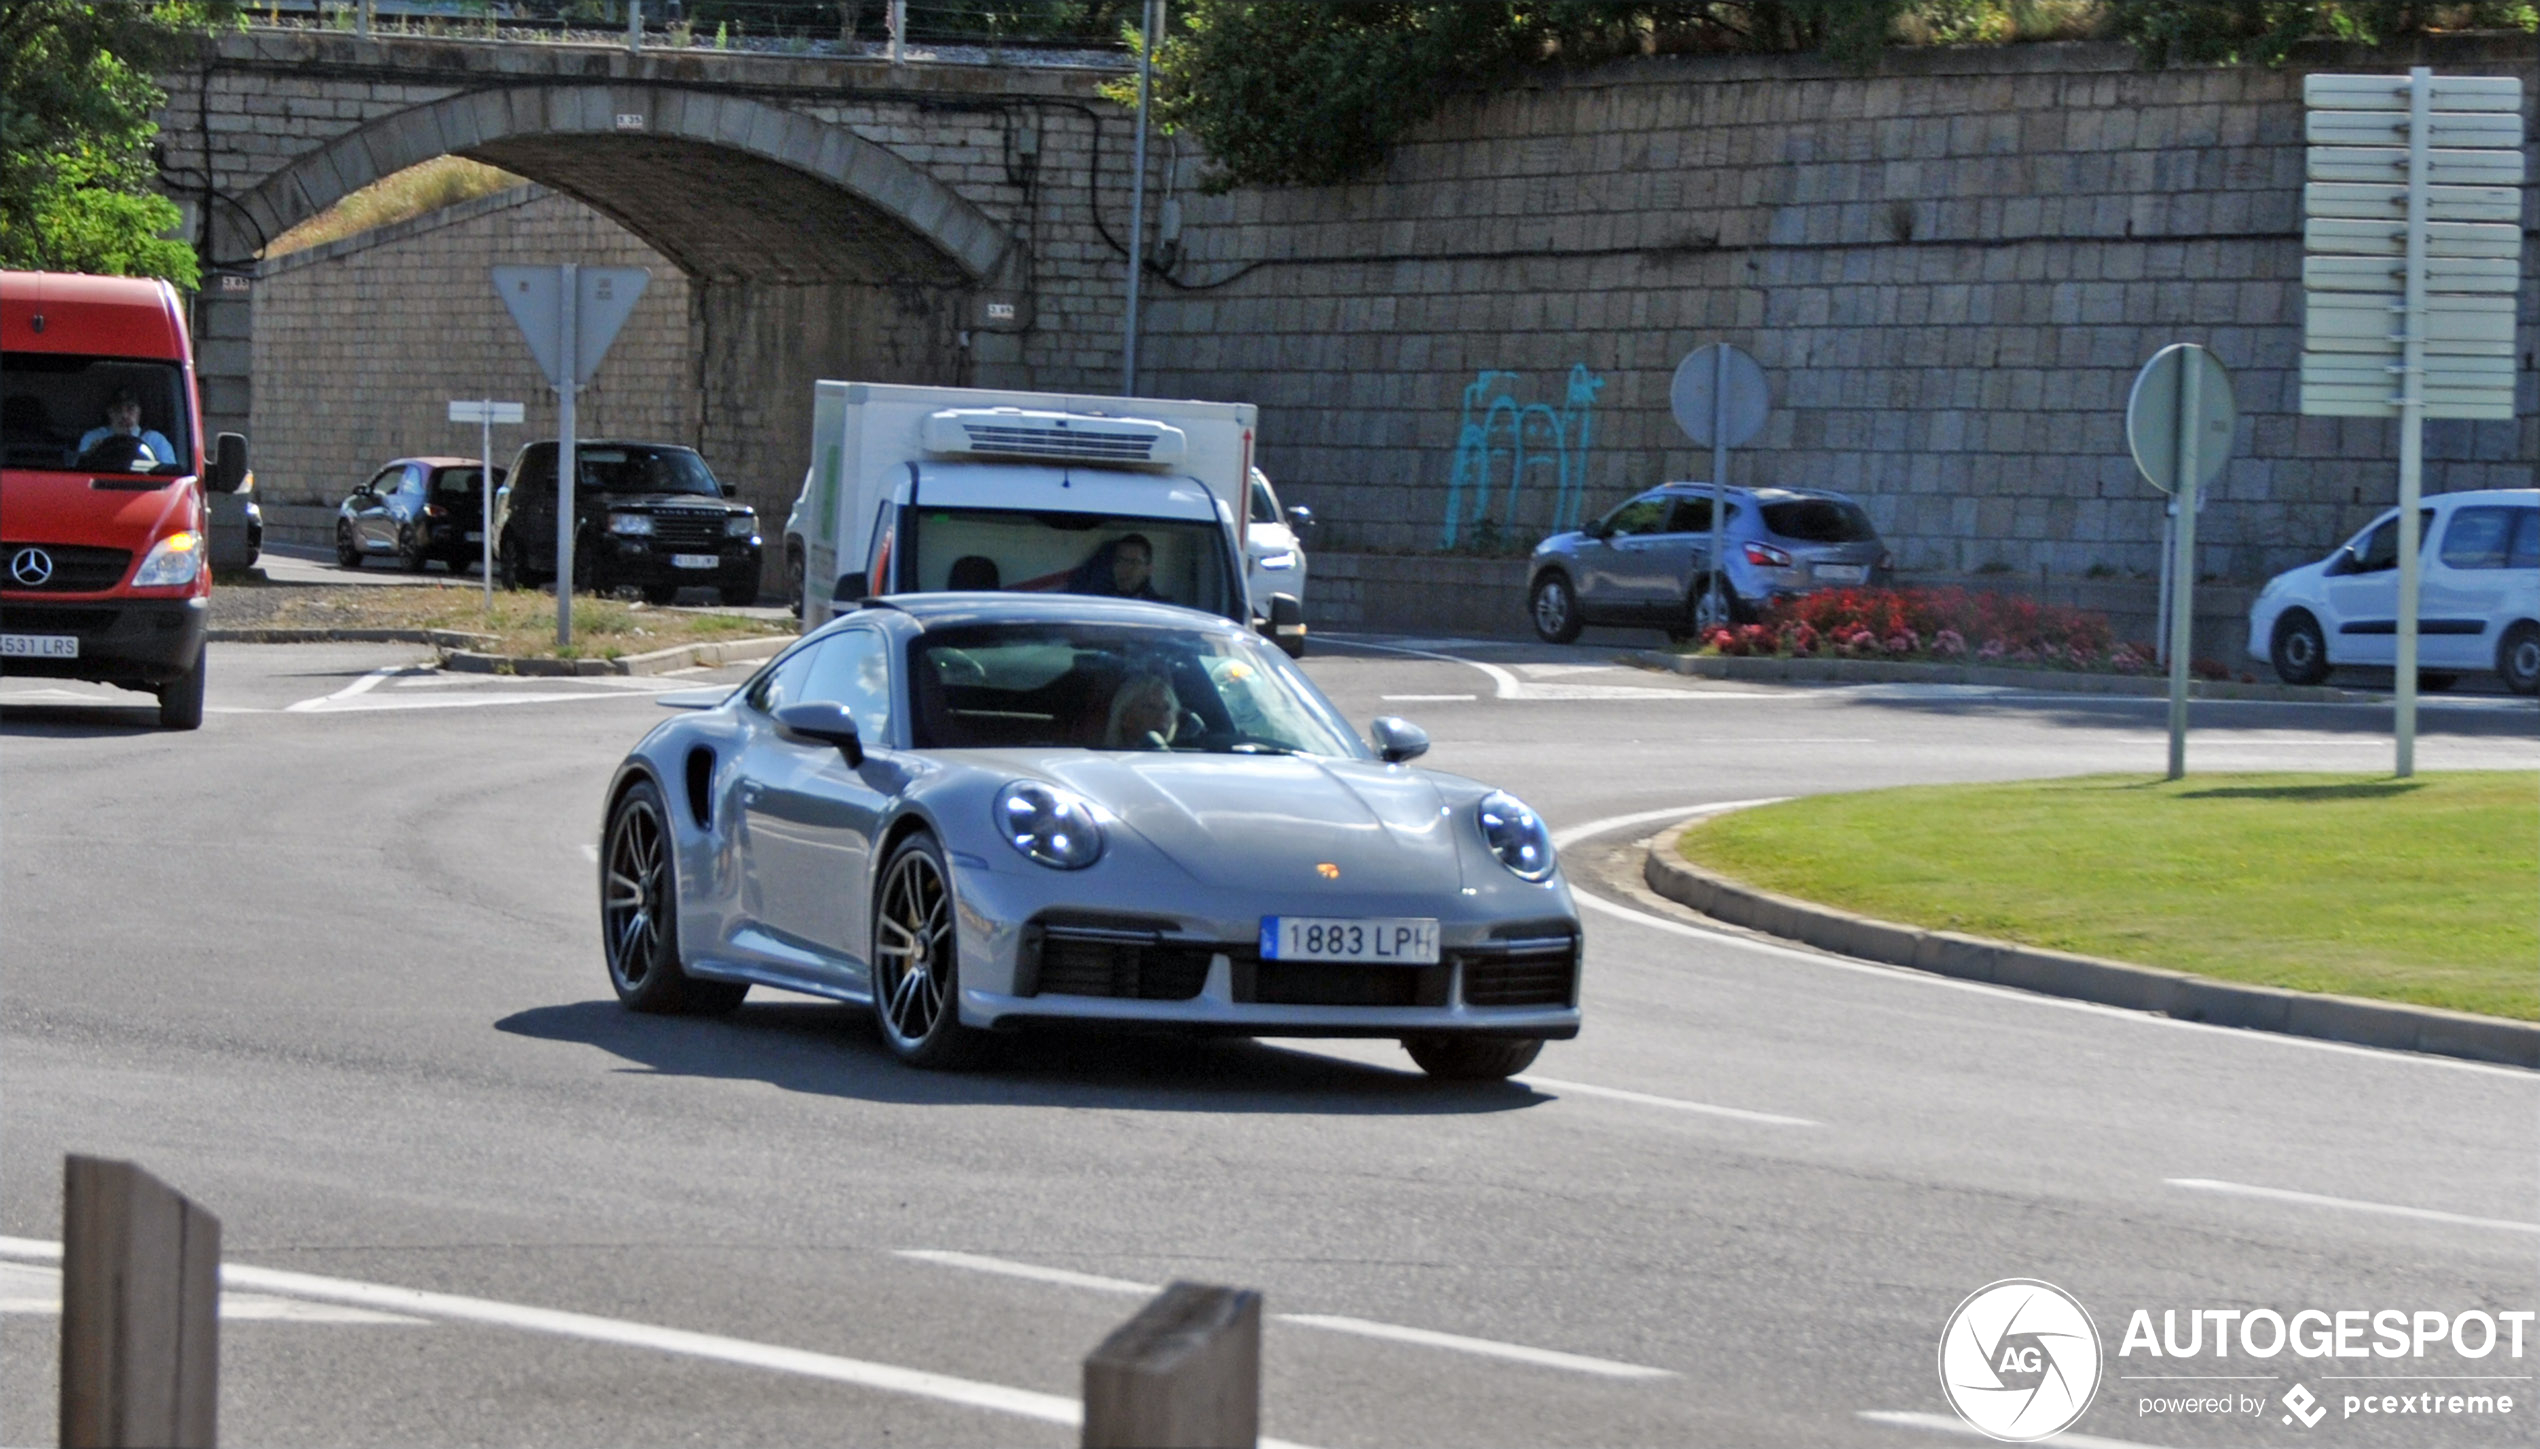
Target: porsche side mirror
pixel 1398 739
pixel 821 722
pixel 229 463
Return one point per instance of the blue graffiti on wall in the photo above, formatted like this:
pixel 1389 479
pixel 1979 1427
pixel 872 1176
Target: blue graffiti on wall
pixel 1499 443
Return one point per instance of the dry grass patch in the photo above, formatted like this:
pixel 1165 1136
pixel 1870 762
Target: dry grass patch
pixel 519 623
pixel 439 182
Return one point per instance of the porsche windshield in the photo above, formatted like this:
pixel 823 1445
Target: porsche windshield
pixel 1041 686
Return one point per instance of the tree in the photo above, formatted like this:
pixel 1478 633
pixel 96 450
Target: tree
pixel 76 97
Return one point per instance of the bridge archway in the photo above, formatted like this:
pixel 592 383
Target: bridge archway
pixel 809 250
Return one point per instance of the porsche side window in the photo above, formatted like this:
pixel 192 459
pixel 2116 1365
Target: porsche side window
pixel 853 669
pixel 779 683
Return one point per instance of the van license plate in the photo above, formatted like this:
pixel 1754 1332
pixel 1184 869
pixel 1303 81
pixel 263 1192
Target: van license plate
pixel 39 646
pixel 1841 573
pixel 695 561
pixel 1397 941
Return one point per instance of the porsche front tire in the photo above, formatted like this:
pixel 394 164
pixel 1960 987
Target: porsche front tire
pixel 1473 1058
pixel 916 962
pixel 639 914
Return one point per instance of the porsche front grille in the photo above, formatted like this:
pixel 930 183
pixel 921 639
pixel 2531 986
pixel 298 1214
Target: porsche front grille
pixel 1124 964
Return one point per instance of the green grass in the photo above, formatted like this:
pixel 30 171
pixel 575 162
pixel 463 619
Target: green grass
pixel 429 186
pixel 2424 890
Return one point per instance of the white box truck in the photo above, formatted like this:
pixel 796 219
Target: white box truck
pixel 919 489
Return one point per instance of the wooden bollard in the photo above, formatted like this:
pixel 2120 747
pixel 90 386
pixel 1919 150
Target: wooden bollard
pixel 140 1311
pixel 1184 1374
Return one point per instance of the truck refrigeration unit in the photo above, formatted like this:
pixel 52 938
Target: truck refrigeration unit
pixel 917 489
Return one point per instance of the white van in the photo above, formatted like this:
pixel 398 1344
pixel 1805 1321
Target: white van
pixel 2478 596
pixel 918 489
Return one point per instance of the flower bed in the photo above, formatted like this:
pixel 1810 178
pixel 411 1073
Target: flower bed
pixel 1925 625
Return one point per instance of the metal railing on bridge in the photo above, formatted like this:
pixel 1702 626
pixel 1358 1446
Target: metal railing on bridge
pixel 1013 32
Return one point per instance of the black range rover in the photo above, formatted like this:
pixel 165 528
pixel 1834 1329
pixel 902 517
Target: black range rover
pixel 647 515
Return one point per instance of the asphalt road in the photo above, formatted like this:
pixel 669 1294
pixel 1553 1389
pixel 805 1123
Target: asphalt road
pixel 329 967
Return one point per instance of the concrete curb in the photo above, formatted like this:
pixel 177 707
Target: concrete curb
pixel 1880 671
pixel 2088 978
pixel 659 661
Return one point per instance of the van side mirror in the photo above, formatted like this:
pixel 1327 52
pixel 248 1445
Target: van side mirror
pixel 822 722
pixel 1300 518
pixel 1397 739
pixel 1287 617
pixel 2341 562
pixel 228 472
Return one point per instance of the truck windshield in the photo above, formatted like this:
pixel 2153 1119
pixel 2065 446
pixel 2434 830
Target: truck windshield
pixel 1176 561
pixel 1107 687
pixel 93 414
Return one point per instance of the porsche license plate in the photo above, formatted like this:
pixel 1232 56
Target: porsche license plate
pixel 1841 573
pixel 1385 940
pixel 39 646
pixel 695 561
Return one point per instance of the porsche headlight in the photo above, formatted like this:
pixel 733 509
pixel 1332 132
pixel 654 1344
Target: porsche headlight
pixel 1049 825
pixel 175 559
pixel 631 525
pixel 1516 835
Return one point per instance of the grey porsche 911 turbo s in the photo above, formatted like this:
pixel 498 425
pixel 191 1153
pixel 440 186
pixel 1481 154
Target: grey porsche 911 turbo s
pixel 978 812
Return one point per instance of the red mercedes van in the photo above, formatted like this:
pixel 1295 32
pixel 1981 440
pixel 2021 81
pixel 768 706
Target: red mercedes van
pixel 105 570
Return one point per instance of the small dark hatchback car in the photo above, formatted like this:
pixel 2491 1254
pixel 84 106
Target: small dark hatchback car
pixel 650 516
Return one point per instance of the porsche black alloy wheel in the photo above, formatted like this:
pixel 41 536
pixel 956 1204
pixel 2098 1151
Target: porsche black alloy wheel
pixel 1473 1058
pixel 916 965
pixel 639 914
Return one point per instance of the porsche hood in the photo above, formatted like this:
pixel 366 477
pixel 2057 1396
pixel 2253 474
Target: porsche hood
pixel 1275 817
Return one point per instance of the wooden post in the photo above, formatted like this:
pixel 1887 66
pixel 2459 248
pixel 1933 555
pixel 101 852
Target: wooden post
pixel 140 1304
pixel 1184 1374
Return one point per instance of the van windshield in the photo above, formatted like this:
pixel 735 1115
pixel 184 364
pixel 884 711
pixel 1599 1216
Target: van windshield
pixel 1174 561
pixel 94 414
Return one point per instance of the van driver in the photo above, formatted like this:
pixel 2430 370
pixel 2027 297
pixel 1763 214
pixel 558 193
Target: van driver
pixel 123 419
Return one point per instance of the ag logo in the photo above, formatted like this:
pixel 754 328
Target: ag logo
pixel 2019 1360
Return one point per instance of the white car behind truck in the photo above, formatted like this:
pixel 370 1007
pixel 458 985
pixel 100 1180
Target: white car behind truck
pixel 917 489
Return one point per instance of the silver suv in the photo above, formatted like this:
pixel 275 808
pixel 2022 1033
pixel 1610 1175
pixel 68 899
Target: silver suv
pixel 1648 561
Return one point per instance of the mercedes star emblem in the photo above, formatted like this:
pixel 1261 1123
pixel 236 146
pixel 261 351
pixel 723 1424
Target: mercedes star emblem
pixel 32 567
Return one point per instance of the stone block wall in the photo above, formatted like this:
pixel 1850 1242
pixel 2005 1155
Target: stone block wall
pixel 361 344
pixel 1950 270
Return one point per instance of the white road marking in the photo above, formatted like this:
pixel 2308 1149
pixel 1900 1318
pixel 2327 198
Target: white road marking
pixel 1426 698
pixel 1834 962
pixel 1486 1347
pixel 888 1378
pixel 1365 1328
pixel 2312 1199
pixel 1943 1424
pixel 354 690
pixel 447 701
pixel 590 852
pixel 1678 1104
pixel 1506 685
pixel 29 1289
pixel 1007 1268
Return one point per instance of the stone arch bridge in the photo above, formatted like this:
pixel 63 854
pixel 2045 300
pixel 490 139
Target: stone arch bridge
pixel 935 223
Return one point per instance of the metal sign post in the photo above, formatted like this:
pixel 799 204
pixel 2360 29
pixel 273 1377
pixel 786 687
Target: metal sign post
pixel 2178 422
pixel 485 413
pixel 569 315
pixel 2426 294
pixel 1720 398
